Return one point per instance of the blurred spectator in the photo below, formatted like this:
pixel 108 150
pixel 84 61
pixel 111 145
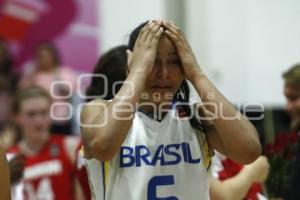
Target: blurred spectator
pixel 235 182
pixel 6 68
pixel 46 72
pixel 5 58
pixel 292 94
pixel 49 161
pixel 8 131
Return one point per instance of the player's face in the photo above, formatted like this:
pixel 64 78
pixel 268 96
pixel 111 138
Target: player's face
pixel 34 118
pixel 167 73
pixel 292 94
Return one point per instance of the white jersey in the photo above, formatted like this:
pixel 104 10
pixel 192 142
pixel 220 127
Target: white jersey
pixel 157 160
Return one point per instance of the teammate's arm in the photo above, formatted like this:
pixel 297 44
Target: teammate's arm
pixel 71 145
pixel 237 187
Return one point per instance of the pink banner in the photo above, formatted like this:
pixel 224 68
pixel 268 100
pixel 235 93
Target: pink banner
pixel 71 25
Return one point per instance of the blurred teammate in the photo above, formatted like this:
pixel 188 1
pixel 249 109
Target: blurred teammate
pixel 233 181
pixel 50 169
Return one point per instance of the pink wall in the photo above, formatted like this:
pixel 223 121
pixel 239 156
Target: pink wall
pixel 71 25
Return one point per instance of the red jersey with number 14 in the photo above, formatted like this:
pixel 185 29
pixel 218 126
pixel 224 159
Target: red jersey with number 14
pixel 48 175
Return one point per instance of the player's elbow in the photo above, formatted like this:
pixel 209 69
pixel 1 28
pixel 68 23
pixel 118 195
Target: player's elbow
pixel 96 143
pixel 101 150
pixel 251 153
pixel 251 148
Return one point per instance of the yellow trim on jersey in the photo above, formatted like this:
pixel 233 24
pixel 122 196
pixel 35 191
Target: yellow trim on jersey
pixel 81 151
pixel 206 151
pixel 206 155
pixel 106 172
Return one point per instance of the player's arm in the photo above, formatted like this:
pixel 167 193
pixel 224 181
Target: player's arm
pixel 72 145
pixel 79 194
pixel 234 188
pixel 237 187
pixel 4 174
pixel 104 125
pixel 234 136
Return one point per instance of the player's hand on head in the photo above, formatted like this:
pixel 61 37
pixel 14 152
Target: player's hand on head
pixel 188 60
pixel 143 56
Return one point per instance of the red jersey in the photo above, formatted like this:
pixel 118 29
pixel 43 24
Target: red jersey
pixel 224 168
pixel 48 175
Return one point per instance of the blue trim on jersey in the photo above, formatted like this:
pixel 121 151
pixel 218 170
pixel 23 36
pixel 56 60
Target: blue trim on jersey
pixel 103 175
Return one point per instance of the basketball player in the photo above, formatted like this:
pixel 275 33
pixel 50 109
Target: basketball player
pixel 50 168
pixel 138 146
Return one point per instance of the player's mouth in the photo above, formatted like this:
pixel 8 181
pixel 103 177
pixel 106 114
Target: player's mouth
pixel 162 88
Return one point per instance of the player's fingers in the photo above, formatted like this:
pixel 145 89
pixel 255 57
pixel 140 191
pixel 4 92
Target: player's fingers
pixel 152 34
pixel 174 38
pixel 129 62
pixel 157 36
pixel 142 34
pixel 174 29
pixel 129 55
pixel 145 31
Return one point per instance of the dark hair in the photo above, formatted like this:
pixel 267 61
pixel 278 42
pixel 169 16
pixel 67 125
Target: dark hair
pixel 183 93
pixel 7 73
pixel 6 85
pixel 134 35
pixel 6 63
pixel 112 64
pixel 28 93
pixel 51 48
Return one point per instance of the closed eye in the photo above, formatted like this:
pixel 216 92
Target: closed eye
pixel 176 62
pixel 292 98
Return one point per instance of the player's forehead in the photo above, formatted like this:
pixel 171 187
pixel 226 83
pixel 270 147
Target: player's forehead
pixel 34 103
pixel 166 47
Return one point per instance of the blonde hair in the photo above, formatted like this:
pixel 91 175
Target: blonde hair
pixel 28 93
pixel 292 76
